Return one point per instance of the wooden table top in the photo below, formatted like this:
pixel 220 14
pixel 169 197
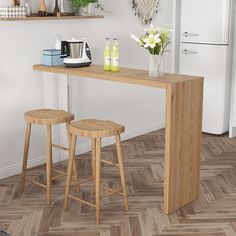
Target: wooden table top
pixel 125 75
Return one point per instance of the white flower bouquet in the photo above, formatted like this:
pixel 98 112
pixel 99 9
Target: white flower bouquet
pixel 154 40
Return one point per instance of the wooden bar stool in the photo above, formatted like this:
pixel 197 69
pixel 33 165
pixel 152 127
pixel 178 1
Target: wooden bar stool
pixel 96 129
pixel 46 117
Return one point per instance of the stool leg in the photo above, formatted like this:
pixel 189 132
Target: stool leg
pixel 25 157
pixel 69 170
pixel 49 162
pixel 122 171
pixel 75 172
pixel 98 180
pixel 93 142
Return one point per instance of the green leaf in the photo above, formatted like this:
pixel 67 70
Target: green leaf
pixel 82 3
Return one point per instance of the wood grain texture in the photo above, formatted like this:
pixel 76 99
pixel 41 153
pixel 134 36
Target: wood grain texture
pixel 98 179
pixel 49 162
pixel 122 171
pixel 213 214
pixel 25 156
pixel 93 151
pixel 184 99
pixel 48 117
pixel 75 172
pixel 69 170
pixel 125 75
pixel 92 128
pixel 96 130
pixel 183 140
pixel 33 18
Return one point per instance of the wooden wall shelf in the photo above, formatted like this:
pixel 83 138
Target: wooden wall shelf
pixel 31 18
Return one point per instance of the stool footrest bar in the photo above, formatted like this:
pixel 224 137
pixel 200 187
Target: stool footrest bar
pixel 110 163
pixel 59 176
pixel 107 188
pixel 60 147
pixel 35 182
pixel 118 191
pixel 59 171
pixel 84 181
pixel 82 201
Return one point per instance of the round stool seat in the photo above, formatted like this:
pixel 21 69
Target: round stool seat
pixel 48 117
pixel 96 128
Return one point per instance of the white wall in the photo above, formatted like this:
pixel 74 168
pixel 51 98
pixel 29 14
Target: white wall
pixel 21 89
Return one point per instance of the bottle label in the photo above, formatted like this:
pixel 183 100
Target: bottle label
pixel 107 61
pixel 115 61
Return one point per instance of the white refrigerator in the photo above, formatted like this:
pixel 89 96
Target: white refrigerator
pixel 205 50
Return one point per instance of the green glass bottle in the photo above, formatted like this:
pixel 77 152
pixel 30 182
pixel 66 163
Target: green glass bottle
pixel 115 54
pixel 107 55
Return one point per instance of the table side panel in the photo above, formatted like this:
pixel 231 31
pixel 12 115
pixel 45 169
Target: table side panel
pixel 183 143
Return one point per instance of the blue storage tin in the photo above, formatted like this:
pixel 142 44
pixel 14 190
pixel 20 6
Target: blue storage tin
pixel 52 57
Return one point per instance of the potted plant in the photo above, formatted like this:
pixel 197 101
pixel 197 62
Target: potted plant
pixel 86 7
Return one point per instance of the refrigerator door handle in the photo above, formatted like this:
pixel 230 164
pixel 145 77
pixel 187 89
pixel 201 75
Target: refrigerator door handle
pixel 187 34
pixel 189 52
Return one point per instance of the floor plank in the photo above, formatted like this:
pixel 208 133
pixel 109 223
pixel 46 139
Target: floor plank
pixel 214 213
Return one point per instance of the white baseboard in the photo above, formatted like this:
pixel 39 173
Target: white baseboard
pixel 62 155
pixel 16 169
pixel 232 132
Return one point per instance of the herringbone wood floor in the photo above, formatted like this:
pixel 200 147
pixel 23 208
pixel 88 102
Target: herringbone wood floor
pixel 213 214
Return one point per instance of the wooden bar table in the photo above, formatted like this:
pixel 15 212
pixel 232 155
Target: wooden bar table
pixel 184 97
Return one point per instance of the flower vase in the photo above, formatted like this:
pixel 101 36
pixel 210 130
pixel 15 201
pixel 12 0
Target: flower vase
pixel 82 11
pixel 156 65
pixel 91 9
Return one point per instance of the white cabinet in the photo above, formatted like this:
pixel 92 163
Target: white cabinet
pixel 205 21
pixel 232 126
pixel 209 61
